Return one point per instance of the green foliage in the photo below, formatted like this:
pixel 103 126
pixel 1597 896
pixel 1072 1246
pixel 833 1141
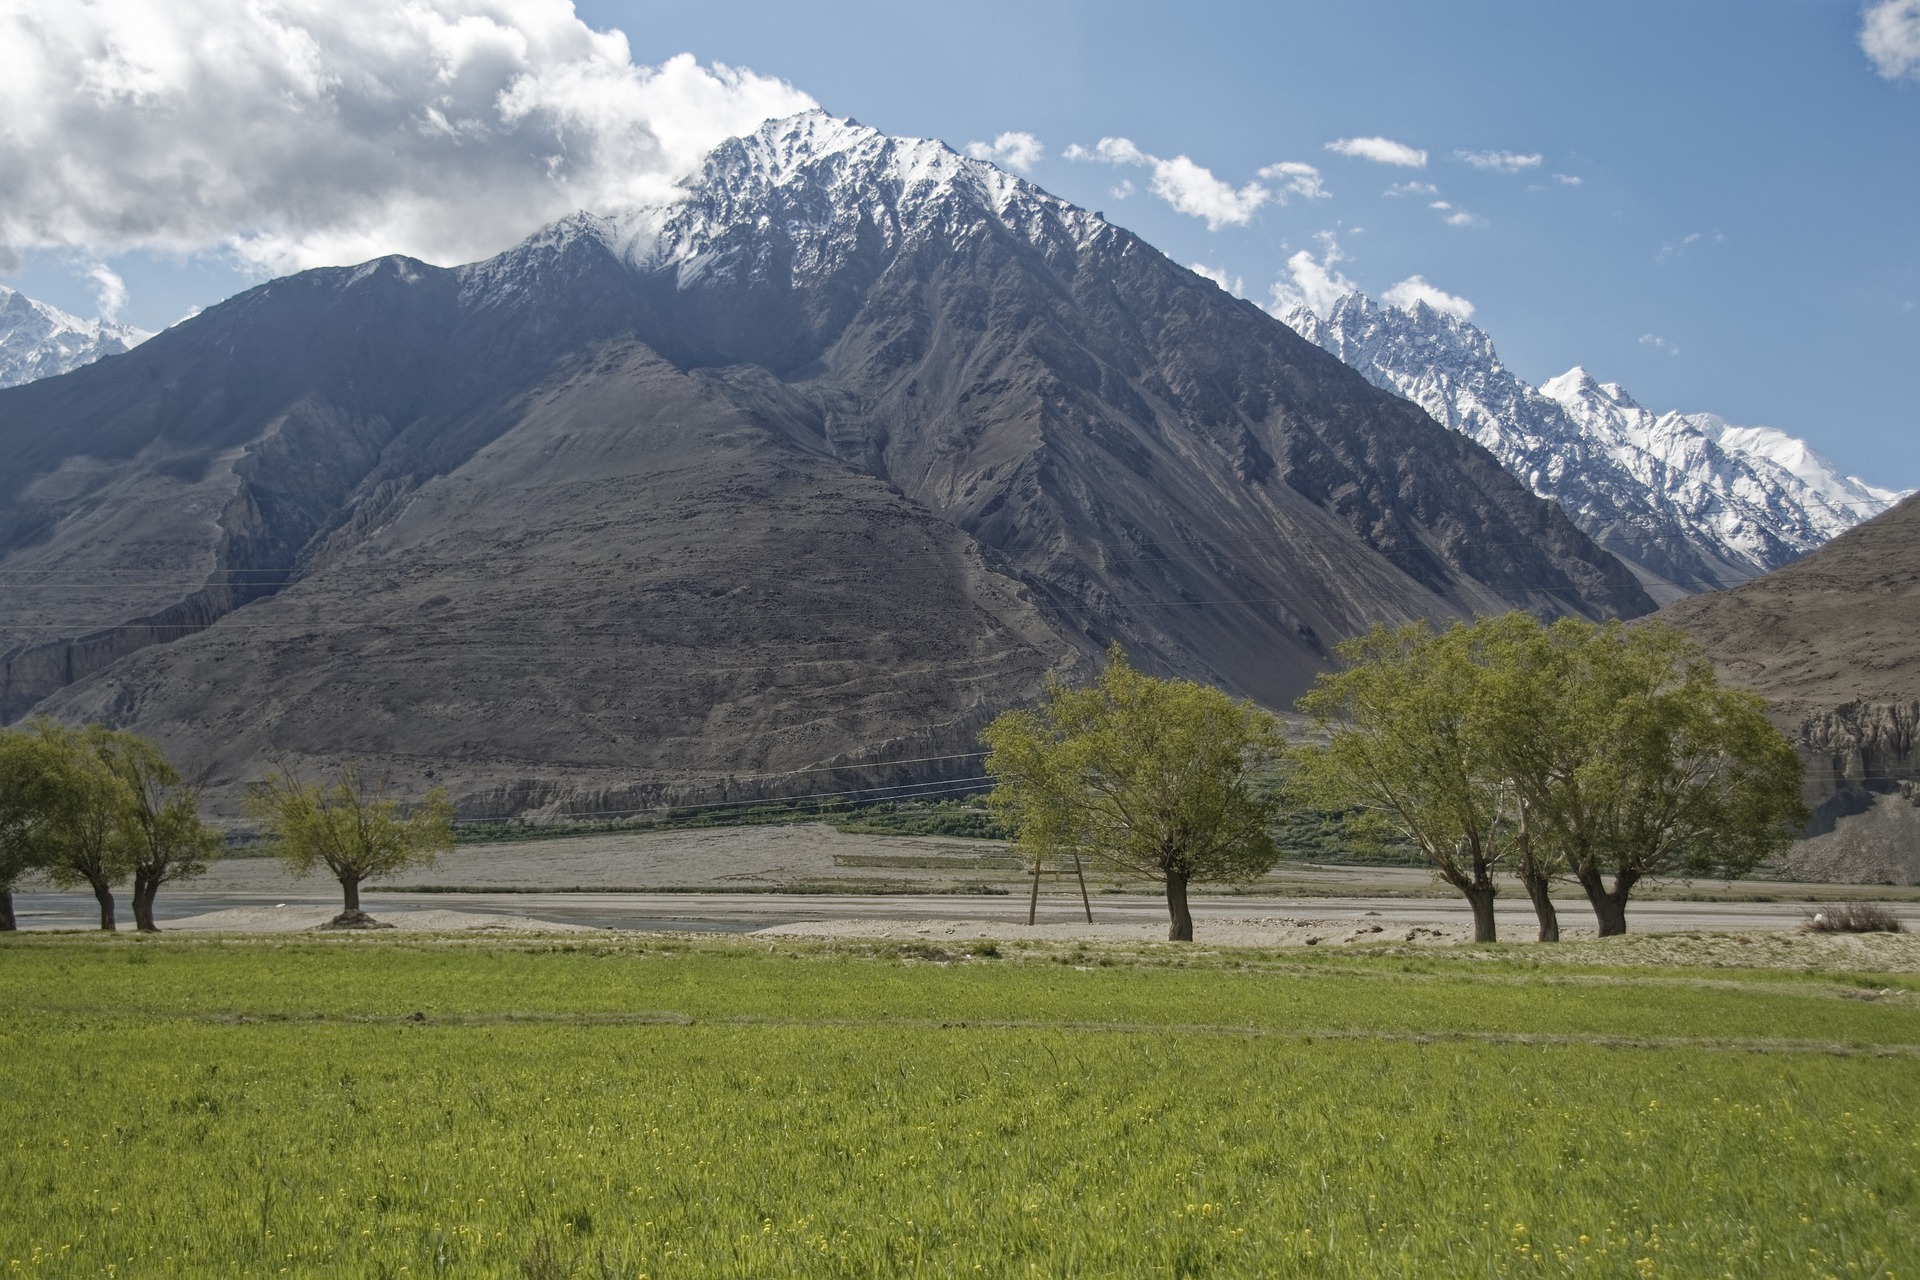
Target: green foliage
pixel 721 1110
pixel 33 802
pixel 1592 750
pixel 351 827
pixel 963 819
pixel 1156 777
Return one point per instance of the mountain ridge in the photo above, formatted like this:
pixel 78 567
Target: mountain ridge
pixel 1690 501
pixel 820 466
pixel 39 340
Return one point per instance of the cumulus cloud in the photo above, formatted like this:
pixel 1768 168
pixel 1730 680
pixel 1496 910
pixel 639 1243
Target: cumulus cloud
pixel 1380 151
pixel 1658 343
pixel 1310 282
pixel 1296 179
pixel 109 290
pixel 1567 179
pixel 1414 291
pixel 1890 36
pixel 1457 217
pixel 1235 285
pixel 1190 188
pixel 1412 189
pixel 304 132
pixel 1500 161
pixel 1017 151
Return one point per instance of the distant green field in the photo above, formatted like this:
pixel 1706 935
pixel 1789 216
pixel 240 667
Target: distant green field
pixel 663 1108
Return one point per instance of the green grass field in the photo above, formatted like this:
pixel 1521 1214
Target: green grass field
pixel 667 1108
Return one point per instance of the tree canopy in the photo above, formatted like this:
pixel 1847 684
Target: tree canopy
pixel 1166 779
pixel 1607 752
pixel 351 827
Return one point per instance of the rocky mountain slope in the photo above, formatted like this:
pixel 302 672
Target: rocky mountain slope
pixel 1690 501
pixel 809 472
pixel 39 341
pixel 1833 643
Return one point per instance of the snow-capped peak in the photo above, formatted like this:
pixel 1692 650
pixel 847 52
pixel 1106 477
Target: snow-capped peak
pixel 1687 499
pixel 38 340
pixel 828 187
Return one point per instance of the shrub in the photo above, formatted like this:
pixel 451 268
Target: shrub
pixel 1854 917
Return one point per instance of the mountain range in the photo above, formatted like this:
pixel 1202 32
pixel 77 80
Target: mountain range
pixel 38 340
pixel 1689 501
pixel 784 487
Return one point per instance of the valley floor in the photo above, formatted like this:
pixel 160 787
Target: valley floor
pixel 814 880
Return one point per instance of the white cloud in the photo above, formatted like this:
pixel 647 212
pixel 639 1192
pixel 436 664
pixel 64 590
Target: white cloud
pixel 109 290
pixel 1658 343
pixel 1500 161
pixel 1457 217
pixel 1414 290
pixel 1380 151
pixel 1412 189
pixel 1677 248
pixel 303 132
pixel 1235 285
pixel 1313 283
pixel 1017 151
pixel 1121 189
pixel 1567 179
pixel 1190 188
pixel 1890 35
pixel 1296 179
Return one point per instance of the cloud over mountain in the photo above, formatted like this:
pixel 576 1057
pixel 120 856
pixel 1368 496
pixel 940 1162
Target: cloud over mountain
pixel 329 131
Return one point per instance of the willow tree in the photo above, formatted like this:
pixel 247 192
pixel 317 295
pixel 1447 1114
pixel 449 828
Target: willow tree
pixel 1634 762
pixel 1408 751
pixel 161 836
pixel 33 803
pixel 1165 779
pixel 351 827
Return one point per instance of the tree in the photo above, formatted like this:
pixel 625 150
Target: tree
pixel 160 832
pixel 351 827
pixel 1634 762
pixel 1408 751
pixel 86 846
pixel 1162 778
pixel 33 800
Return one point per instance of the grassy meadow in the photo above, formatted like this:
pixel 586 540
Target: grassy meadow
pixel 365 1106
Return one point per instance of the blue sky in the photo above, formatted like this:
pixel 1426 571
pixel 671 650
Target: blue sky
pixel 1724 215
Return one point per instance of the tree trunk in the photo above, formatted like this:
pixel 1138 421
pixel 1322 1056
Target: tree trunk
pixel 103 893
pixel 145 886
pixel 7 924
pixel 1033 902
pixel 1079 871
pixel 1537 890
pixel 1180 928
pixel 1480 898
pixel 1609 905
pixel 351 887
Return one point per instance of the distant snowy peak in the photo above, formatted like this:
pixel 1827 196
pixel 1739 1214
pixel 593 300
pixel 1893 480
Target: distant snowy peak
pixel 1689 500
pixel 38 341
pixel 829 187
pixel 1764 465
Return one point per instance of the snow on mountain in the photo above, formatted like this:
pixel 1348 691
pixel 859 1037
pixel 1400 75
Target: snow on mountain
pixel 38 341
pixel 834 186
pixel 1689 501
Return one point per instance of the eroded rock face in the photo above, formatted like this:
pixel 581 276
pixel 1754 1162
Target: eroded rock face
pixel 1833 643
pixel 785 488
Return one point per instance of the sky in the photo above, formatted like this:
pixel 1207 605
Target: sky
pixel 1715 204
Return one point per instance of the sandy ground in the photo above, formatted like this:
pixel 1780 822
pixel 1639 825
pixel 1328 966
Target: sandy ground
pixel 813 881
pixel 286 918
